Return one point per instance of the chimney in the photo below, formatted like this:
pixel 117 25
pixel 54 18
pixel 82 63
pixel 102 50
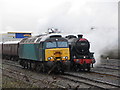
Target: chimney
pixel 80 35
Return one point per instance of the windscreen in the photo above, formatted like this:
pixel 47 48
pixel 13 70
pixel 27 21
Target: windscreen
pixel 51 45
pixel 62 44
pixel 56 44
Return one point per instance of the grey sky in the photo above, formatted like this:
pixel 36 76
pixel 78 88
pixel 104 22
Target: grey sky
pixel 38 15
pixel 70 16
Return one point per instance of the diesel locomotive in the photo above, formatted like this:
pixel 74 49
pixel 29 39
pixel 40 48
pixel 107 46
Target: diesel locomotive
pixel 46 53
pixel 81 57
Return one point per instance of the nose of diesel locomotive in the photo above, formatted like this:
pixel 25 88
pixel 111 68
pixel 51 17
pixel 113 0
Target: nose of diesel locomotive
pixel 56 55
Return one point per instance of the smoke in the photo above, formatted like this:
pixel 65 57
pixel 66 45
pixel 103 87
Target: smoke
pixel 97 21
pixel 104 42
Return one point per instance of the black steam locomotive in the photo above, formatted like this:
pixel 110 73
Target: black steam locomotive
pixel 81 57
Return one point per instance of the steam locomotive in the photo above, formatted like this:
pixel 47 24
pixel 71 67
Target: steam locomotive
pixel 81 57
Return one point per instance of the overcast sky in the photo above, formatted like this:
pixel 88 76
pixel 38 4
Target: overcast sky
pixel 66 15
pixel 69 16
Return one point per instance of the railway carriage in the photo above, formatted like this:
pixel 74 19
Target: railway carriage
pixel 10 50
pixel 1 49
pixel 44 53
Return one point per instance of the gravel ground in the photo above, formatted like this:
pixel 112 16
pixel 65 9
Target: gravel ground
pixel 25 77
pixel 8 82
pixel 115 62
pixel 42 80
pixel 107 71
pixel 99 77
pixel 108 62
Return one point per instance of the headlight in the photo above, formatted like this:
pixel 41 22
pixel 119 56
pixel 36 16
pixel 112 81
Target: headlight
pixel 66 57
pixel 74 57
pixel 84 56
pixel 49 58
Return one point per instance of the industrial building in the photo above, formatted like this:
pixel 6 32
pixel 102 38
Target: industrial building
pixel 14 36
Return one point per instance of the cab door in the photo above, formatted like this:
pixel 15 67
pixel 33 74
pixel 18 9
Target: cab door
pixel 41 51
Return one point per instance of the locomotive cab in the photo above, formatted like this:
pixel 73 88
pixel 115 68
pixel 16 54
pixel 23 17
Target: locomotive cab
pixel 56 49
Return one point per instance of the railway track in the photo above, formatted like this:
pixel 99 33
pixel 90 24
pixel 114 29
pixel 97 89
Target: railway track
pixel 106 74
pixel 74 78
pixel 19 73
pixel 30 78
pixel 27 78
pixel 11 63
pixel 105 67
pixel 15 65
pixel 116 66
pixel 88 81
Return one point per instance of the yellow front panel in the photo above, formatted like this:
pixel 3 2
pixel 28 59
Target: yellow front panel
pixel 57 52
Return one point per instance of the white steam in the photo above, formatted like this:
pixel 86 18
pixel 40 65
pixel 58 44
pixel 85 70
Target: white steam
pixel 97 21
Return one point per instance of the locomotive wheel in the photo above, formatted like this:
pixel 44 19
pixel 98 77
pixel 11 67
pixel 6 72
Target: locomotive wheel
pixel 73 66
pixel 77 67
pixel 7 57
pixel 22 63
pixel 25 64
pixel 33 66
pixel 60 68
pixel 43 67
pixel 88 67
pixel 15 58
pixel 61 71
pixel 38 68
pixel 29 65
pixel 12 58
